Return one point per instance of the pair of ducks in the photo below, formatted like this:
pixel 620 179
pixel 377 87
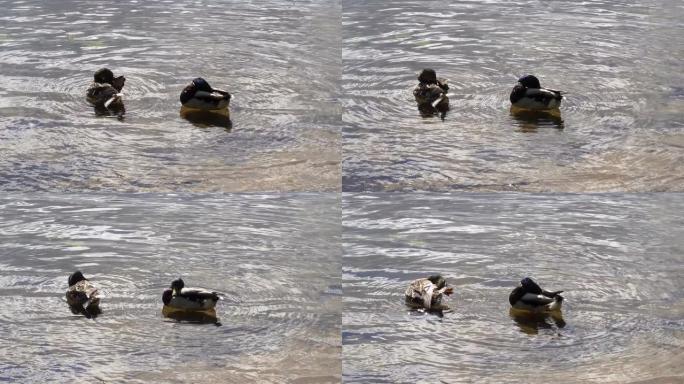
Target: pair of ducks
pixel 105 92
pixel 527 296
pixel 83 297
pixel 527 94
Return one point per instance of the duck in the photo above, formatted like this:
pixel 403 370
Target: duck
pixel 529 296
pixel 430 90
pixel 427 292
pixel 82 294
pixel 200 95
pixel 528 94
pixel 105 91
pixel 179 298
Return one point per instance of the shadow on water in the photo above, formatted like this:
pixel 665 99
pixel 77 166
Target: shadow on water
pixel 529 121
pixel 206 119
pixel 193 317
pixel 90 312
pixel 531 322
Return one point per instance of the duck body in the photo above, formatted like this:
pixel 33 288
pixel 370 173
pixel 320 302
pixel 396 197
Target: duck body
pixel 427 292
pixel 179 298
pixel 528 94
pixel 200 95
pixel 105 91
pixel 431 90
pixel 529 296
pixel 81 292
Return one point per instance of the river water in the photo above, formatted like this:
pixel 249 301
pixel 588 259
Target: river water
pixel 620 127
pixel 269 257
pixel 279 58
pixel 619 259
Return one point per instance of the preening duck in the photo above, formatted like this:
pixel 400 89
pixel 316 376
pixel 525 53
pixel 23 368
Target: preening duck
pixel 105 91
pixel 528 94
pixel 82 296
pixel 529 296
pixel 180 298
pixel 431 90
pixel 200 95
pixel 427 292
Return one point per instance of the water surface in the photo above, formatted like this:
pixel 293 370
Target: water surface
pixel 269 257
pixel 619 259
pixel 620 127
pixel 280 59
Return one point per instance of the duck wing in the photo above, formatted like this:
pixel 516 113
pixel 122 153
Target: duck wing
pixel 211 97
pixel 543 94
pixel 198 295
pixel 536 300
pixel 82 293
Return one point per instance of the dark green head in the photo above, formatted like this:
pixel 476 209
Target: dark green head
pixel 177 285
pixel 428 76
pixel 104 76
pixel 76 277
pixel 438 280
pixel 529 81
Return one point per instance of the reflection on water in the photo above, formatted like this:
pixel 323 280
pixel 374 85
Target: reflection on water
pixel 616 62
pixel 269 257
pixel 530 121
pixel 199 317
pixel 118 111
pixel 531 322
pixel 618 258
pixel 280 58
pixel 90 311
pixel 205 119
pixel 428 110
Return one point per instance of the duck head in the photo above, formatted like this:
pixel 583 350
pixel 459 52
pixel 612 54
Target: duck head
pixel 438 280
pixel 428 76
pixel 201 85
pixel 166 296
pixel 76 277
pixel 177 285
pixel 529 81
pixel 529 286
pixel 104 75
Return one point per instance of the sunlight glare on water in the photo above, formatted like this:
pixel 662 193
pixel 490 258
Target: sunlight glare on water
pixel 620 126
pixel 280 60
pixel 617 257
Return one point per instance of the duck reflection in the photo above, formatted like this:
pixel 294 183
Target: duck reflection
pixel 91 311
pixel 439 311
pixel 205 119
pixel 529 120
pixel 531 322
pixel 207 316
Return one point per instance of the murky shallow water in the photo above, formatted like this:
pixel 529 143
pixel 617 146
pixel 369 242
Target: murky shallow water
pixel 619 62
pixel 280 59
pixel 619 259
pixel 269 256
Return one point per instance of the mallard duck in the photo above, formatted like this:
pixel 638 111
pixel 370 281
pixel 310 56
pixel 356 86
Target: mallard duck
pixel 81 292
pixel 528 94
pixel 427 292
pixel 529 296
pixel 431 90
pixel 188 299
pixel 200 95
pixel 105 91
